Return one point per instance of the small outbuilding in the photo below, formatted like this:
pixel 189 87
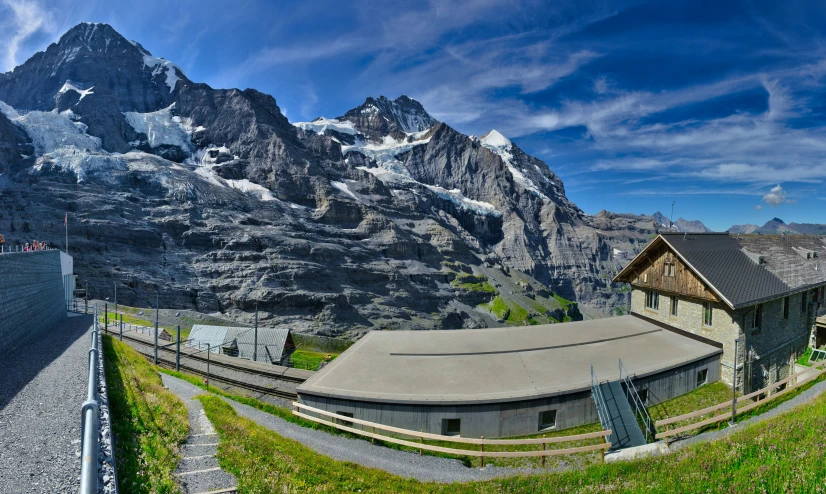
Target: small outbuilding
pixel 275 345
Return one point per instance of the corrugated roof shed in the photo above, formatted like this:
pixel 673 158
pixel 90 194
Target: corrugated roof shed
pixel 271 341
pixel 724 260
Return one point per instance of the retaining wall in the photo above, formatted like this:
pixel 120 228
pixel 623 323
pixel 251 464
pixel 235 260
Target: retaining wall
pixel 31 295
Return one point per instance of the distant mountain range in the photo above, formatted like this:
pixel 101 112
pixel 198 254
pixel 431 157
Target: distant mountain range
pixel 681 225
pixel 776 225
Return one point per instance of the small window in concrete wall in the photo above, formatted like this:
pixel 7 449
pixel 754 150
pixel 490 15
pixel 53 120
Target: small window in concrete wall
pixel 674 301
pixel 547 420
pixel 345 423
pixel 707 314
pixel 451 427
pixel 702 377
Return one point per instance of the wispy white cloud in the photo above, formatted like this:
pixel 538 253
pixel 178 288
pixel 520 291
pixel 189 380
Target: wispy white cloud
pixel 23 18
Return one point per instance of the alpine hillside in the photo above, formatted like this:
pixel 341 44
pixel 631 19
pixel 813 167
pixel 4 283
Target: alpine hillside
pixel 380 218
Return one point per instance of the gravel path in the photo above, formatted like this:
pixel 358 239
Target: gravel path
pixel 402 463
pixel 44 385
pixel 806 397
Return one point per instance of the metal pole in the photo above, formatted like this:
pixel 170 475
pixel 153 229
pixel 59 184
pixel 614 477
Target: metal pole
pixel 734 385
pixel 157 308
pixel 86 302
pixel 106 316
pixel 121 327
pixel 178 351
pixel 116 298
pixel 255 348
pixel 208 352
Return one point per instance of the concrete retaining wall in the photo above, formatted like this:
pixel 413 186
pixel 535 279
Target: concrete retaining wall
pixel 516 418
pixel 31 295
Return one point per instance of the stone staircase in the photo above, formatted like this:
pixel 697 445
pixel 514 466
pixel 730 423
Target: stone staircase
pixel 198 471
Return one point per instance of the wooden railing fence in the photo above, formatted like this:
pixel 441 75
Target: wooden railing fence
pixel 743 404
pixel 481 442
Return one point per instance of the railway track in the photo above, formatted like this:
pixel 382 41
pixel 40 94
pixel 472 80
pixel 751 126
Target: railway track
pixel 170 364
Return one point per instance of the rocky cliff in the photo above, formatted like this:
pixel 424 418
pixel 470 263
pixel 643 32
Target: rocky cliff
pixel 380 218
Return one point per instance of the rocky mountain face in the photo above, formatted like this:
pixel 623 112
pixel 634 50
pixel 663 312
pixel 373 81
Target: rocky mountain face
pixel 681 225
pixel 380 218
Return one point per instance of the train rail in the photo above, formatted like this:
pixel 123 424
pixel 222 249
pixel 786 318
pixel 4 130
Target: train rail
pixel 170 364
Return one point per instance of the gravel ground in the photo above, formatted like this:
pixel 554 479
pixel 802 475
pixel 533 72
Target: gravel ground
pixel 44 385
pixel 402 463
pixel 801 399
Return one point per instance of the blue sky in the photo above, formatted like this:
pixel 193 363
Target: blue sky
pixel 718 106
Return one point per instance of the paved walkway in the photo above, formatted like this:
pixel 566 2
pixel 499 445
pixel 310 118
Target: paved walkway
pixel 402 463
pixel 43 386
pixel 198 470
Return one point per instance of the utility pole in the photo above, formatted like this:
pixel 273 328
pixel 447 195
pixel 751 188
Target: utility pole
pixel 86 302
pixel 157 309
pixel 208 352
pixel 178 351
pixel 255 348
pixel 121 327
pixel 734 385
pixel 106 316
pixel 116 298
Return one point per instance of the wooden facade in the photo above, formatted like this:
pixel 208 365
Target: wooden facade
pixel 659 268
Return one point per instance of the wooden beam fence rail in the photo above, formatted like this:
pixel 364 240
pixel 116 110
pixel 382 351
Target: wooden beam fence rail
pixel 811 374
pixel 481 453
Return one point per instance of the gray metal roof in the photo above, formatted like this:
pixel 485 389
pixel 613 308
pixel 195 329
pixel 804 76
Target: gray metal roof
pixel 723 261
pixel 271 341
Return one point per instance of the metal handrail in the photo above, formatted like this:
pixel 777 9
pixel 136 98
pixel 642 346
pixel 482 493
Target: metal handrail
pixel 633 396
pixel 599 400
pixel 89 429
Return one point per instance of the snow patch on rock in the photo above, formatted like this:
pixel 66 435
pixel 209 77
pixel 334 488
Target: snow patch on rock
pixel 69 86
pixel 159 65
pixel 162 128
pixel 321 125
pixel 343 187
pixel 503 147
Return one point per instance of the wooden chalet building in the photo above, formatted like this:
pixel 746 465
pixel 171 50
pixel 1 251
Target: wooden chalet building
pixel 764 289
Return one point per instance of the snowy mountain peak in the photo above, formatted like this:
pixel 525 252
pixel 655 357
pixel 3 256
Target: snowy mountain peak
pixel 495 139
pixel 382 116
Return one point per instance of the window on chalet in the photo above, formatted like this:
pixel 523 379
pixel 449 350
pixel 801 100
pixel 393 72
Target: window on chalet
pixel 669 270
pixel 707 314
pixel 652 299
pixel 753 319
pixel 674 301
pixel 785 307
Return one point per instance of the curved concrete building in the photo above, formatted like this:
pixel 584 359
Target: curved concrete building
pixel 507 381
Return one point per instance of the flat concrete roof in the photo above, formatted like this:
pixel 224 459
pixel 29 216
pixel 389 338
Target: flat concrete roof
pixel 501 364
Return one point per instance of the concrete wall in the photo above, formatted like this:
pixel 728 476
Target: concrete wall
pixel 31 295
pixel 517 418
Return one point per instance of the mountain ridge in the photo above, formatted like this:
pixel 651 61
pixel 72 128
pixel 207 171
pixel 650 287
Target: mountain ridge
pixel 383 217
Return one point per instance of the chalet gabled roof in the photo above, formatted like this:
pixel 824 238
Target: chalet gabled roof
pixel 729 267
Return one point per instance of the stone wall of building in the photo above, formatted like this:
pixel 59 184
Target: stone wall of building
pixel 767 354
pixel 31 296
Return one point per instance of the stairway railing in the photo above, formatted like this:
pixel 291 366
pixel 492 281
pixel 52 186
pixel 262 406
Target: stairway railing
pixel 633 397
pixel 599 400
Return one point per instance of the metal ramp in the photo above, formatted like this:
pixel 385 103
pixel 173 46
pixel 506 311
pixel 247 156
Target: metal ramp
pixel 613 401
